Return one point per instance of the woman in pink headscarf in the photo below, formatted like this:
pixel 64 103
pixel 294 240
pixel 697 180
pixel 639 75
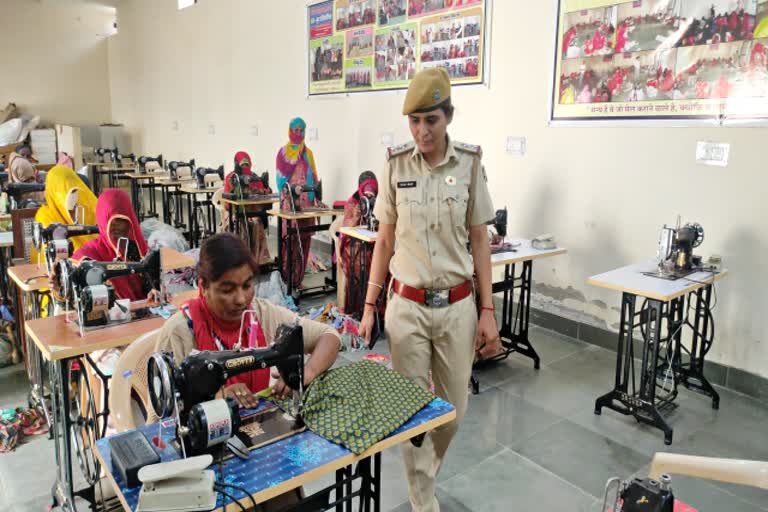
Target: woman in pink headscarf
pixel 117 220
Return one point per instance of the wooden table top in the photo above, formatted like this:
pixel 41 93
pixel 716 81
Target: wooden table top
pixel 168 182
pixel 108 170
pixel 361 233
pixel 195 190
pixel 523 252
pixel 60 339
pixel 148 175
pixel 311 214
pixel 631 279
pixel 171 259
pixel 251 202
pixel 29 277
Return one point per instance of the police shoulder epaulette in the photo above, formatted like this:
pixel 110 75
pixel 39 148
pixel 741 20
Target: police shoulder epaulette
pixel 469 148
pixel 400 149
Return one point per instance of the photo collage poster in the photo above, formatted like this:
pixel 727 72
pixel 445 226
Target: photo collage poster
pixel 368 45
pixel 661 59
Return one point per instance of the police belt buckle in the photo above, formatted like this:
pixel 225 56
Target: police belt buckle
pixel 437 298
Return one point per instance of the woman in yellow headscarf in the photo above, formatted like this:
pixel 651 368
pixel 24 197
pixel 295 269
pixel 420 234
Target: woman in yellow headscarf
pixel 65 196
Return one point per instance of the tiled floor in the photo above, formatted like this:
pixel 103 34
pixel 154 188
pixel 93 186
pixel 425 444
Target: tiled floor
pixel 530 441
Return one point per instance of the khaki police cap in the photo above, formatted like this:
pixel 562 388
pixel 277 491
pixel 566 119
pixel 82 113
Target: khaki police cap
pixel 428 89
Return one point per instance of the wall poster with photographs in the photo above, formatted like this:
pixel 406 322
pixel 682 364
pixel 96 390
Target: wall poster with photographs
pixel 369 45
pixel 661 59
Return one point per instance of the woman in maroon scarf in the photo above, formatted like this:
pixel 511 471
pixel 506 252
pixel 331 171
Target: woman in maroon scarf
pixel 117 220
pixel 257 214
pixel 356 214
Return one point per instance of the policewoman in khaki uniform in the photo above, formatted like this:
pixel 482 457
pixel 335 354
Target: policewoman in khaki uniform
pixel 433 202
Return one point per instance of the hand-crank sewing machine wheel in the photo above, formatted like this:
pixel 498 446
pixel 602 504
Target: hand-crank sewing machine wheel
pixel 84 424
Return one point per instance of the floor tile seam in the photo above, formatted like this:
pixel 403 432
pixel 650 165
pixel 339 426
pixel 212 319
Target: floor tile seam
pixel 503 449
pixel 558 477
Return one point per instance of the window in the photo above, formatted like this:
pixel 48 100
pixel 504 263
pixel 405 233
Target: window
pixel 183 4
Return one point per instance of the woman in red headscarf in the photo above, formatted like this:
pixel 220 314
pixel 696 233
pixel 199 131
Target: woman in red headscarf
pixel 358 211
pixel 117 221
pixel 256 215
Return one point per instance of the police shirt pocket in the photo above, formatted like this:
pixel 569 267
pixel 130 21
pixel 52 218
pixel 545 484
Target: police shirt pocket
pixel 408 203
pixel 456 200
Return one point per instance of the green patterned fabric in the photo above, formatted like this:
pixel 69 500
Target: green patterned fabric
pixel 359 404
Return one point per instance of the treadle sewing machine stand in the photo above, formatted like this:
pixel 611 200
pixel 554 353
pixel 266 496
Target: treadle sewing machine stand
pixel 665 361
pixel 515 318
pixel 514 327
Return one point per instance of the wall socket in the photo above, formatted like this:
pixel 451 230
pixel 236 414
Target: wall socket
pixel 713 153
pixel 211 129
pixel 387 139
pixel 516 145
pixel 175 126
pixel 313 133
pixel 254 130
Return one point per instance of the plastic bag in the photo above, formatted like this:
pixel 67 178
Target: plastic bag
pixel 10 131
pixel 159 234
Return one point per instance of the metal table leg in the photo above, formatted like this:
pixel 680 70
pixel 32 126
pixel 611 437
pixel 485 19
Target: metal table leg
pixel 289 255
pixel 514 321
pixel 629 400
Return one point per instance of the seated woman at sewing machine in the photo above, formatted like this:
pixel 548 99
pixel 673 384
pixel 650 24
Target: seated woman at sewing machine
pixel 217 319
pixel 358 211
pixel 68 201
pixel 120 238
pixel 21 169
pixel 257 214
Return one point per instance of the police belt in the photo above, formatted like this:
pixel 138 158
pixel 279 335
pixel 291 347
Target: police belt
pixel 433 298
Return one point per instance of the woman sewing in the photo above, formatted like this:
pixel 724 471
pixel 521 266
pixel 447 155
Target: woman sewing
pixel 68 201
pixel 358 211
pixel 21 169
pixel 256 215
pixel 120 238
pixel 295 165
pixel 213 321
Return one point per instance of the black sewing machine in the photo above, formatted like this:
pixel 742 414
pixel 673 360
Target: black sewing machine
pixel 241 186
pixel 101 153
pixel 174 166
pixel 675 253
pixel 640 495
pixel 144 160
pixel 130 157
pixel 189 389
pixel 16 190
pixel 202 172
pixel 369 220
pixel 56 237
pixel 296 191
pixel 86 287
pixel 114 155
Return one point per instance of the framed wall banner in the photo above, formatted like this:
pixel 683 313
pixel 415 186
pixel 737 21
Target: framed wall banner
pixel 661 60
pixel 376 45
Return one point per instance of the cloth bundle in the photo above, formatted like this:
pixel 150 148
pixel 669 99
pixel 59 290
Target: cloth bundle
pixel 17 423
pixel 360 404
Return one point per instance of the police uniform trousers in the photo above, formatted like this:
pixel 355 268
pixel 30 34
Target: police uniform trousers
pixel 421 339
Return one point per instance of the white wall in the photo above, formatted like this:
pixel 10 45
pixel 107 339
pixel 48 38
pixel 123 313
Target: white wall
pixel 604 192
pixel 54 59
